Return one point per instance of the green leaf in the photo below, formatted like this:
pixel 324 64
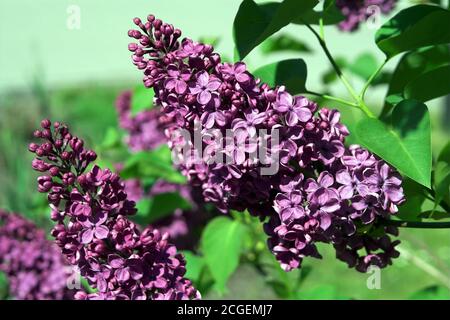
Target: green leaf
pixel 112 139
pixel 284 43
pixel 4 287
pixel 194 265
pixel 330 15
pixel 430 85
pixel 406 144
pixel 255 23
pixel 410 67
pixel 160 206
pixel 444 155
pixel 221 245
pixel 141 99
pixel 291 73
pixel 152 164
pixel 413 28
pixel 432 293
pixel 414 192
pixel 321 292
pixel 435 215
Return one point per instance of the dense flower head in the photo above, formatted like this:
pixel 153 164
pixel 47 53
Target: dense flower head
pixel 91 209
pixel 310 186
pixel 35 268
pixel 358 11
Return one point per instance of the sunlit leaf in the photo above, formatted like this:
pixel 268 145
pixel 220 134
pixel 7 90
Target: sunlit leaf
pixel 254 22
pixel 221 244
pixel 406 143
pixel 413 28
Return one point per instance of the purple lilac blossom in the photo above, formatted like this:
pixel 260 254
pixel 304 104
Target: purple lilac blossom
pixel 144 129
pixel 358 11
pixel 35 267
pixel 90 209
pixel 339 189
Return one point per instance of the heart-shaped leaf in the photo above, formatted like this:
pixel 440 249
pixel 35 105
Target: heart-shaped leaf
pixel 406 143
pixel 255 23
pixel 413 28
pixel 291 73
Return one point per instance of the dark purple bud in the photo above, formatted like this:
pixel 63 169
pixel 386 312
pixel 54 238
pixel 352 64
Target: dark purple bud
pixel 32 147
pixel 54 171
pixel 46 133
pixel 66 155
pixel 45 124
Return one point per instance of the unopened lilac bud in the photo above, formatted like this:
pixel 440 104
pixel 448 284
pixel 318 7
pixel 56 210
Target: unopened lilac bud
pixel 40 152
pixel 137 21
pixel 45 124
pixel 47 147
pixel 32 147
pixel 132 47
pixel 59 143
pixel 91 155
pixel 54 171
pixel 157 24
pixel 37 134
pixel 46 133
pixel 65 155
pixel 44 183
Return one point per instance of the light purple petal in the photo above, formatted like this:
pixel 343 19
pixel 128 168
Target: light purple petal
pixel 87 236
pixel 204 97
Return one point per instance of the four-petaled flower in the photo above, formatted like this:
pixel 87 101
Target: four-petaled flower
pixel 177 79
pixel 94 227
pixel 294 108
pixel 204 87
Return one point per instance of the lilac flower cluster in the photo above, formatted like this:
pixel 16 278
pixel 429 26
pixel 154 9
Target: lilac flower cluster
pixel 35 268
pixel 144 130
pixel 358 11
pixel 322 192
pixel 90 208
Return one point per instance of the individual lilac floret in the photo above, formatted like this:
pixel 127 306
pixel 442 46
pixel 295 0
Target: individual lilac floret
pixel 358 11
pixel 35 268
pixel 345 188
pixel 90 209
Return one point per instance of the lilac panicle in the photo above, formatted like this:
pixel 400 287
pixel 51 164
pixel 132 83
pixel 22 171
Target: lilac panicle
pixel 358 11
pixel 323 191
pixel 35 268
pixel 90 209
